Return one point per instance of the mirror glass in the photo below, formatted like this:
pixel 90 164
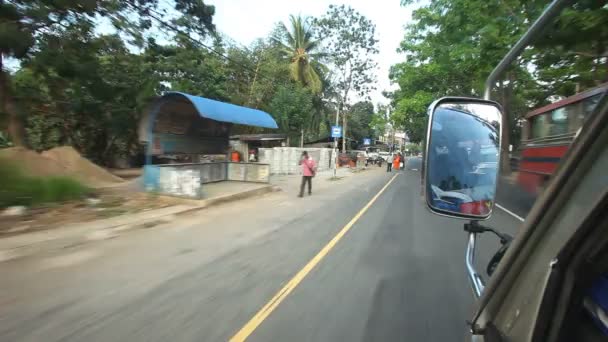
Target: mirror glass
pixel 462 158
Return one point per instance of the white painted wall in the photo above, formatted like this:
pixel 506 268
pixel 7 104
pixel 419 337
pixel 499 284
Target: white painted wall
pixel 284 160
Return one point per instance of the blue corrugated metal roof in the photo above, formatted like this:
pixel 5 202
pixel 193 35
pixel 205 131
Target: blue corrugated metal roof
pixel 226 112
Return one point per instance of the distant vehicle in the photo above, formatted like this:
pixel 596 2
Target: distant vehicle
pixel 372 152
pixel 387 156
pixel 372 155
pixel 548 133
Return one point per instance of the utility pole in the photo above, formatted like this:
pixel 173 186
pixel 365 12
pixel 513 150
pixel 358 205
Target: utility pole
pixel 255 77
pixel 336 141
pixel 302 138
pixel 343 132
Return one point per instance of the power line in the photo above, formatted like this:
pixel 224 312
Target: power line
pixel 197 42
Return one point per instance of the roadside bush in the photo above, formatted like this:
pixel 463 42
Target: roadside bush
pixel 17 188
pixel 4 141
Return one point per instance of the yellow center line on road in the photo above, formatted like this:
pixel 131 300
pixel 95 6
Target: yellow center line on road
pixel 267 309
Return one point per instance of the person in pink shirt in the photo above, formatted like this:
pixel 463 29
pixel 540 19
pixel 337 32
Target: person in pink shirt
pixel 308 171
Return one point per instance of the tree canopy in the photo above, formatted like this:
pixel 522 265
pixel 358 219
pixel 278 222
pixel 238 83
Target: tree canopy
pixel 350 43
pixel 453 45
pixel 82 72
pixel 299 47
pixel 86 70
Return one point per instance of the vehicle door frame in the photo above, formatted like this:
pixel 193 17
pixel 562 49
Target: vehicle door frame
pixel 588 148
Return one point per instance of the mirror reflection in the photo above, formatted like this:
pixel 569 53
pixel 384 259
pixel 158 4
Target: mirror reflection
pixel 462 161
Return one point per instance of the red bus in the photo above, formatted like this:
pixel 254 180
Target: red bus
pixel 548 132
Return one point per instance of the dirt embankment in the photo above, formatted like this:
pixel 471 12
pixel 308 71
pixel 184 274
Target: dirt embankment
pixel 60 161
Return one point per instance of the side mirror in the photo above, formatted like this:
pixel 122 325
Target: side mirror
pixel 462 157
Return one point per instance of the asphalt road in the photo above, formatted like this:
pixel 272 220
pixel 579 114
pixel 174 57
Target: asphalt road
pixel 397 274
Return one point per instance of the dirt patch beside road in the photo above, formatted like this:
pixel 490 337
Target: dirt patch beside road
pixel 32 162
pixel 108 204
pixel 81 168
pixel 60 161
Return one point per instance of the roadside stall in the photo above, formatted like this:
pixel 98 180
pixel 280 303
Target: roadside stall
pixel 187 144
pixel 248 145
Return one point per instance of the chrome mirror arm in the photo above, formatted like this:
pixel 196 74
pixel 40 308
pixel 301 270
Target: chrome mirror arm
pixel 474 228
pixel 474 276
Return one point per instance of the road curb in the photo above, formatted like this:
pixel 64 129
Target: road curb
pixel 115 230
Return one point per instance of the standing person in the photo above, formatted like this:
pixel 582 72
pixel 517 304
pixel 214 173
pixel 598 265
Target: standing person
pixel 389 164
pixel 396 161
pixel 402 160
pixel 308 171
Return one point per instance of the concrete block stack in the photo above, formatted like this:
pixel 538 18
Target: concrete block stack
pixel 284 160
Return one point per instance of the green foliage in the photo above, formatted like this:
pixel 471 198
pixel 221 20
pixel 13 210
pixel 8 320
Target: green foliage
pixel 410 113
pixel 380 121
pixel 91 99
pixel 573 51
pixel 17 188
pixel 360 119
pixel 298 47
pixel 349 42
pixel 292 108
pixel 87 89
pixel 253 74
pixel 5 141
pixel 184 67
pixel 58 31
pixel 452 46
pixel 76 86
pixel 413 148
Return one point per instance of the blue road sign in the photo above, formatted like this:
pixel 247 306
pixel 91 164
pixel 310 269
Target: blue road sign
pixel 336 131
pixel 367 141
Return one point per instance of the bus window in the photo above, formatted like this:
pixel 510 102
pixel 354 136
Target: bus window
pixel 576 116
pixel 578 112
pixel 590 103
pixel 539 126
pixel 559 121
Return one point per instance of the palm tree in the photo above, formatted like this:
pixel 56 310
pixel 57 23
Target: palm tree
pixel 298 45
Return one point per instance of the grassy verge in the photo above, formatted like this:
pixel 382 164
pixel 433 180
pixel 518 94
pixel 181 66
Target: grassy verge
pixel 17 188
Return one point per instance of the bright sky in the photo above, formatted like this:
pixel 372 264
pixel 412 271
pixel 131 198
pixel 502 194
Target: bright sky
pixel 246 20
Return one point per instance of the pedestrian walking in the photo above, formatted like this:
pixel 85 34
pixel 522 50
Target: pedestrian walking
pixel 389 165
pixel 401 161
pixel 309 169
pixel 396 162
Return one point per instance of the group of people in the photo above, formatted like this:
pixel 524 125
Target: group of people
pixel 309 169
pixel 397 164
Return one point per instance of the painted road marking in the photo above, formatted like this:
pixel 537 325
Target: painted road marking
pixel 510 212
pixel 267 309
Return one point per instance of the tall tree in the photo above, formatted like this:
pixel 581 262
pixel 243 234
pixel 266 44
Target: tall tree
pixel 255 72
pixel 25 25
pixel 292 106
pixel 350 43
pixel 450 48
pixel 361 115
pixel 185 67
pixel 572 55
pixel 90 99
pixel 297 44
pixel 380 120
